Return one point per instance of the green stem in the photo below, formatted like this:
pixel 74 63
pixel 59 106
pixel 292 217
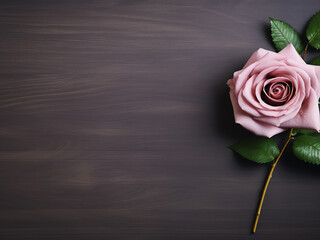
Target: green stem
pixel 268 180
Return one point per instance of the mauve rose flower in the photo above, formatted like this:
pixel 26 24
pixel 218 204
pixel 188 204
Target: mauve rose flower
pixel 276 91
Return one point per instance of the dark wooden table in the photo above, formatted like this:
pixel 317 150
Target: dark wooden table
pixel 115 120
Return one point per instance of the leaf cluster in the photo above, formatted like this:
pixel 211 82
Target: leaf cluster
pixel 283 34
pixel 306 146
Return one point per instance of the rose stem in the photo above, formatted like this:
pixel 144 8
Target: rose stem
pixel 305 50
pixel 268 180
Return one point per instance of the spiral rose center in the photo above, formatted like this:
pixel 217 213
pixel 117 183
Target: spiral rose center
pixel 277 93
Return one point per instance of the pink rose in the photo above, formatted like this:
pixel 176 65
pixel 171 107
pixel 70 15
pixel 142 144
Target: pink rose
pixel 276 91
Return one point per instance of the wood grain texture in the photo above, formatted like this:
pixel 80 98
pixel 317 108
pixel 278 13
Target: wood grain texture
pixel 115 120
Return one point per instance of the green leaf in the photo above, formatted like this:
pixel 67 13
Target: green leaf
pixel 257 149
pixel 283 34
pixel 316 61
pixel 307 148
pixel 303 131
pixel 313 31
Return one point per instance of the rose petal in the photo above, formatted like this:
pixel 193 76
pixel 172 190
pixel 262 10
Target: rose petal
pixel 256 56
pixel 308 116
pixel 290 52
pixel 259 128
pixel 316 70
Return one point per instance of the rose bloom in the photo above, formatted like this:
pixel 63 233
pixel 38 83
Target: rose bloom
pixel 276 91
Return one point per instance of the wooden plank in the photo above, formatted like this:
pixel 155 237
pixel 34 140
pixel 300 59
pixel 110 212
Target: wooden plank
pixel 115 120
